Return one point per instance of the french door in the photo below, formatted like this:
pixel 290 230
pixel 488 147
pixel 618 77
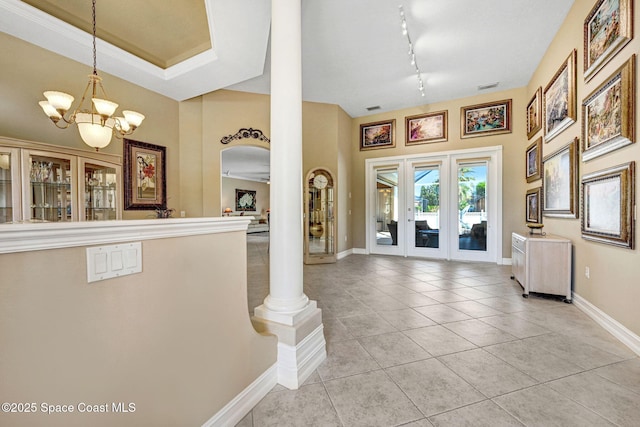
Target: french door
pixel 444 205
pixel 386 208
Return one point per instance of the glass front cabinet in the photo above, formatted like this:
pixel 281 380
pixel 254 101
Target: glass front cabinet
pixel 44 183
pixel 99 190
pixel 320 217
pixel 48 181
pixel 10 206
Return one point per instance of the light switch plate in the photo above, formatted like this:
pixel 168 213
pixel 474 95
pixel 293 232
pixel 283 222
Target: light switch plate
pixel 106 262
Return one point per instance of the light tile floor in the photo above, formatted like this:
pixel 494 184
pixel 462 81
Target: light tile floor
pixel 418 342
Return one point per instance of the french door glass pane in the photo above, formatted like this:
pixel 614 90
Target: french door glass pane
pixel 387 207
pixel 6 198
pixel 426 196
pixel 472 214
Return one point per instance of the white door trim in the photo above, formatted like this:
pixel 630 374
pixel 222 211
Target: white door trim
pixel 402 162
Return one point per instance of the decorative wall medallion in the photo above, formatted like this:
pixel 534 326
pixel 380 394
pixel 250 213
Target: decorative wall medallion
pixel 246 133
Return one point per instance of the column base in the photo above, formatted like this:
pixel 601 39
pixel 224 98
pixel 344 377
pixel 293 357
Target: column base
pixel 301 343
pixel 285 317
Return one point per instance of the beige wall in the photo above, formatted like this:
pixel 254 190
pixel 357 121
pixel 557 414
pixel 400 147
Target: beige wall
pixel 513 157
pixel 207 119
pixel 176 339
pixel 345 177
pixel 191 164
pixel 26 71
pixel 229 186
pixel 326 143
pixel 614 271
pixel 224 113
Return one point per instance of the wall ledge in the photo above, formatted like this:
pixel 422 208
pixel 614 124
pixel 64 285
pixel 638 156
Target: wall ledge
pixel 614 327
pixel 26 237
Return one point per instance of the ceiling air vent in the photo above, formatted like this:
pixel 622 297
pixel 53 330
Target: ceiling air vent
pixel 488 86
pixel 375 107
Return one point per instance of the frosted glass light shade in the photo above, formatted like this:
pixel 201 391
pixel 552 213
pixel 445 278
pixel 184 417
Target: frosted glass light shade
pixel 59 100
pixel 49 110
pixel 133 118
pixel 92 132
pixel 104 107
pixel 122 125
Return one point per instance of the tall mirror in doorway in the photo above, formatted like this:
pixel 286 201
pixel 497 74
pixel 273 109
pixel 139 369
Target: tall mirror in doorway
pixel 320 217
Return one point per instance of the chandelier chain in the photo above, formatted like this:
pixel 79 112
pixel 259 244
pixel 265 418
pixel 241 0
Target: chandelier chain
pixel 93 12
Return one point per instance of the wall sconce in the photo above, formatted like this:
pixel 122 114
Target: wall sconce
pixel 227 211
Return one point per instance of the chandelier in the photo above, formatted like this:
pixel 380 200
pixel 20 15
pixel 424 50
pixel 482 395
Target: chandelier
pixel 94 120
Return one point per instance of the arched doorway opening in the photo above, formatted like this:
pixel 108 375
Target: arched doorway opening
pixel 245 186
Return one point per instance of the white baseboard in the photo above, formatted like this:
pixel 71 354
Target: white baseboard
pixel 359 251
pixel 614 327
pixel 243 403
pixel 297 363
pixel 345 254
pixel 506 261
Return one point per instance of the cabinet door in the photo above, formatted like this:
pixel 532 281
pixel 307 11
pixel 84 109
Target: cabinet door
pixel 10 210
pixel 99 190
pixel 518 264
pixel 550 267
pixel 49 183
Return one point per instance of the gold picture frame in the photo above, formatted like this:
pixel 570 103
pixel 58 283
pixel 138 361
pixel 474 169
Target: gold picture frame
pixel 426 128
pixel 533 161
pixel 534 114
pixel 560 99
pixel 490 118
pixel 560 182
pixel 378 135
pixel 533 207
pixel 608 113
pixel 608 205
pixel 607 29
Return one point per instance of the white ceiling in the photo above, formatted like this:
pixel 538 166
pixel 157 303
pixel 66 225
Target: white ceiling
pixel 246 162
pixel 354 52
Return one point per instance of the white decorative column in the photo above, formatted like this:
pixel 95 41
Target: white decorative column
pixel 287 312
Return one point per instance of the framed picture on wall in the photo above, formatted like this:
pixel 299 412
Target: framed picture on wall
pixel 485 119
pixel 607 29
pixel 534 114
pixel 608 204
pixel 608 113
pixel 145 185
pixel 245 200
pixel 425 128
pixel 378 135
pixel 533 206
pixel 559 182
pixel 533 160
pixel 560 99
